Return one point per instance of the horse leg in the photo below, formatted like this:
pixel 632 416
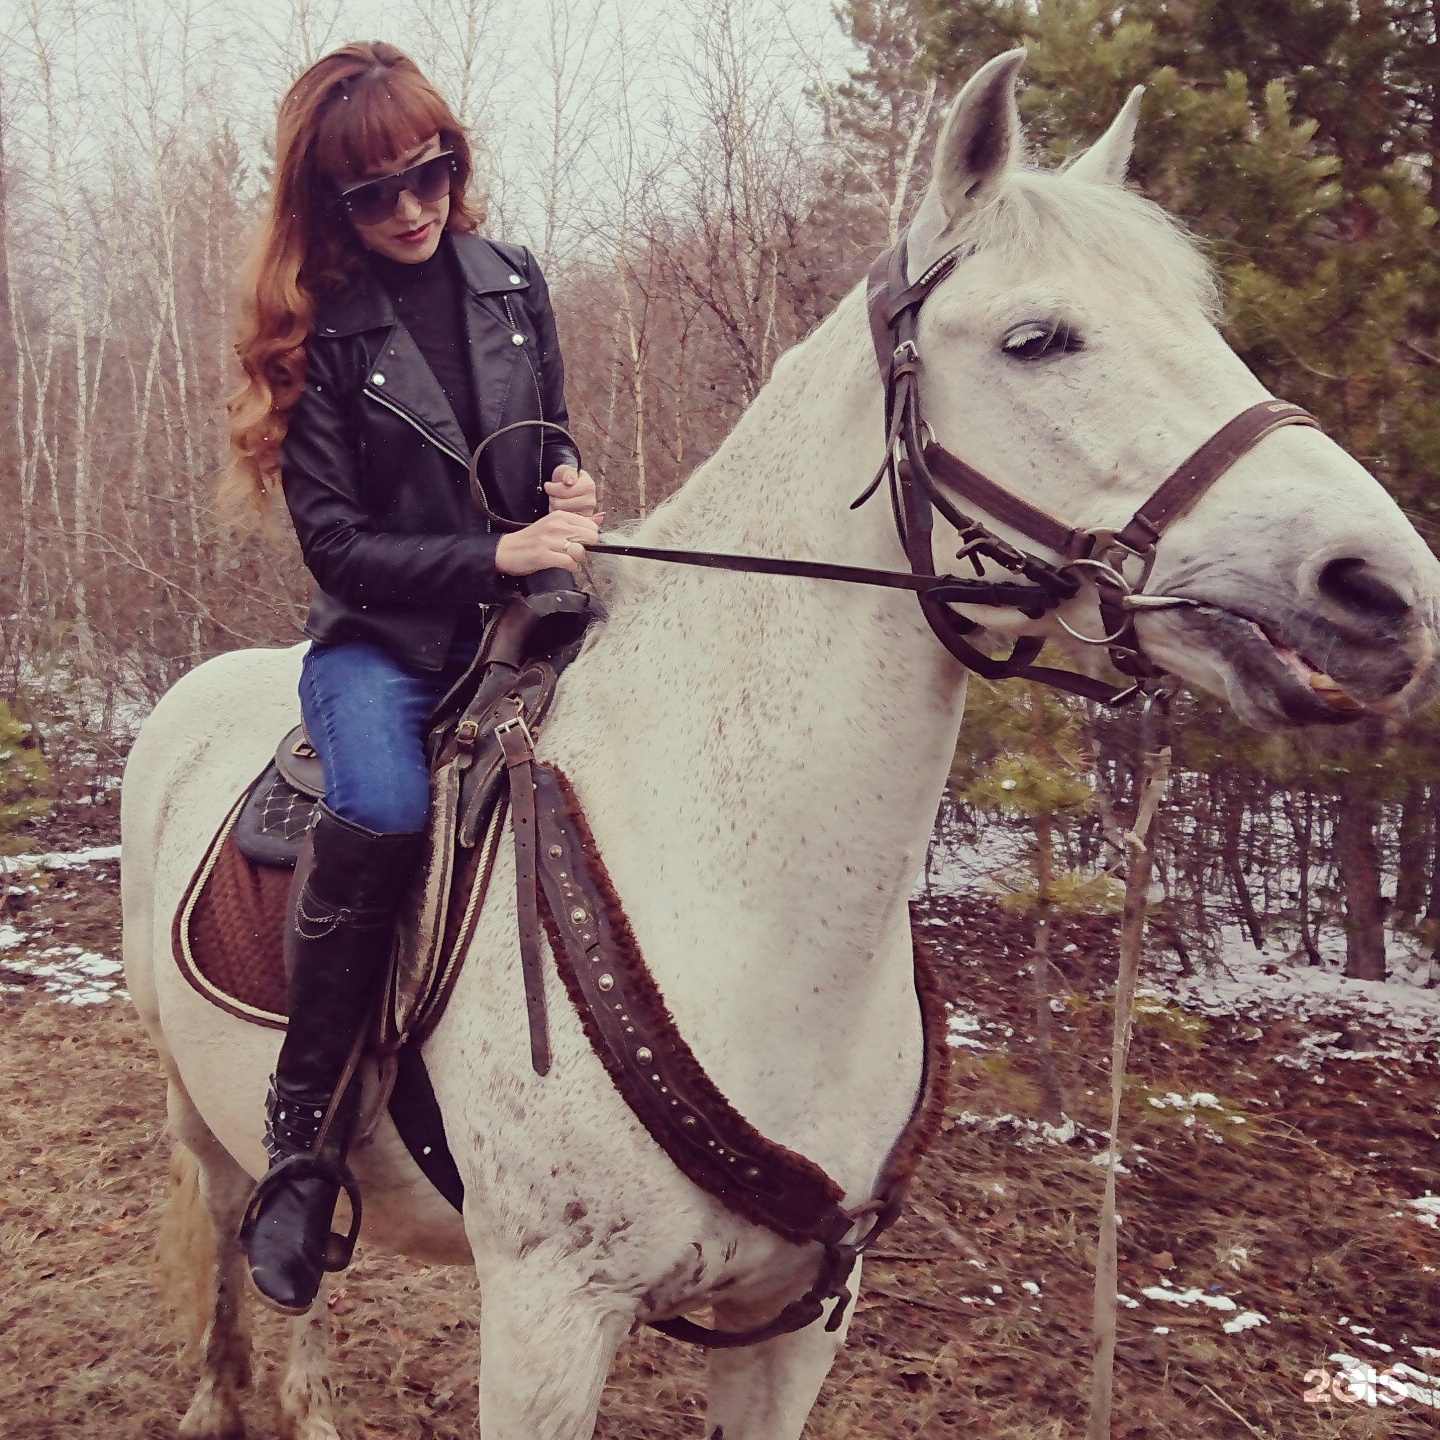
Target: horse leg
pixel 306 1411
pixel 208 1195
pixel 766 1391
pixel 545 1351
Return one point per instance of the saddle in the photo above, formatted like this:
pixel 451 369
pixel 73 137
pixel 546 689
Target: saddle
pixel 228 932
pixel 229 926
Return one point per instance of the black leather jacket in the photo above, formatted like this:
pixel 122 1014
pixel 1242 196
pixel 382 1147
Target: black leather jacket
pixel 375 467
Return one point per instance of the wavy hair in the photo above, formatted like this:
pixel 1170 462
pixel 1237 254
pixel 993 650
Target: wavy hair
pixel 358 108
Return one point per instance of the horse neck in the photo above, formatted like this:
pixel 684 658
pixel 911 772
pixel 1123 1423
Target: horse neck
pixel 797 733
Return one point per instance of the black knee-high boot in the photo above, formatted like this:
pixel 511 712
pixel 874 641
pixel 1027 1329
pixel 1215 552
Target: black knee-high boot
pixel 337 942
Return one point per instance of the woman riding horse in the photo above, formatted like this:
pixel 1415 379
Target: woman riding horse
pixel 383 339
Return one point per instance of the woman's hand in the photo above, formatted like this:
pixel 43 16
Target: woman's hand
pixel 554 542
pixel 571 490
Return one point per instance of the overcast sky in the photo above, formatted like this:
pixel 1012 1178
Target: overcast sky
pixel 627 78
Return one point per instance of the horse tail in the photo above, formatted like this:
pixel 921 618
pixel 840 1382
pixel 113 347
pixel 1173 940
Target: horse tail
pixel 184 1267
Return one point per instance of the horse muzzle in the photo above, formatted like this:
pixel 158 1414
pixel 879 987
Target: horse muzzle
pixel 1278 666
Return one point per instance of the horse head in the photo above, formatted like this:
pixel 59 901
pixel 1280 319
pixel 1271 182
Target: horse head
pixel 1073 356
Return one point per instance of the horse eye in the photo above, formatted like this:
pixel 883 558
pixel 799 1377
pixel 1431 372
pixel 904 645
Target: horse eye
pixel 1035 339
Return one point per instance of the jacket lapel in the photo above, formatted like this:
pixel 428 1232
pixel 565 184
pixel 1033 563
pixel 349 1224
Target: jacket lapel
pixel 398 375
pixel 402 375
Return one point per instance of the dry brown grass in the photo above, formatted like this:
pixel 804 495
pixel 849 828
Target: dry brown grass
pixel 86 1350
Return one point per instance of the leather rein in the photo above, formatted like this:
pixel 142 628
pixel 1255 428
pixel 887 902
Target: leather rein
pixel 919 472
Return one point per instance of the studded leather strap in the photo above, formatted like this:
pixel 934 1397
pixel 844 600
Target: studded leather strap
pixel 625 1017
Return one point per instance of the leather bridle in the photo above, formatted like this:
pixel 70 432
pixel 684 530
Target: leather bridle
pixel 919 472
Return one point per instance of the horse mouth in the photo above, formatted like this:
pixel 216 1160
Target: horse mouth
pixel 1270 679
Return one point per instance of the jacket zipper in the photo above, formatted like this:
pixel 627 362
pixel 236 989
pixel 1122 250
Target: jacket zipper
pixel 417 424
pixel 539 398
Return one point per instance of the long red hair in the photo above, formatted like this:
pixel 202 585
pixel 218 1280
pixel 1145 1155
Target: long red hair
pixel 358 108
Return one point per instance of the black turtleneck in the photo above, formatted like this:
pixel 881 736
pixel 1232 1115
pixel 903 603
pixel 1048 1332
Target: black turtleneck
pixel 429 301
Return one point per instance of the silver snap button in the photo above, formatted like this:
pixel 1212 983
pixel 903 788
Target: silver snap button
pixel 643 1055
pixel 515 280
pixel 378 378
pixel 517 339
pixel 606 982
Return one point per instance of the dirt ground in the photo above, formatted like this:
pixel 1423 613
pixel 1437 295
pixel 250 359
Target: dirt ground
pixel 1254 1187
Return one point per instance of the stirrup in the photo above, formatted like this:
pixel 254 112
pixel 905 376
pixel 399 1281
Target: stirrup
pixel 339 1249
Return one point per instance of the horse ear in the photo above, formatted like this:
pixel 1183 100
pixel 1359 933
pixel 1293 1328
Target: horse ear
pixel 1107 160
pixel 981 136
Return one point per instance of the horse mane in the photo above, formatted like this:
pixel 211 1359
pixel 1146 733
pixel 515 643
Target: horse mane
pixel 1044 219
pixel 1041 220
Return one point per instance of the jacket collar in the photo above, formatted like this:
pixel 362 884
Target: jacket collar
pixel 364 305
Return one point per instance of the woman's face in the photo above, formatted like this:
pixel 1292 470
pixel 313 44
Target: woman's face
pixel 412 233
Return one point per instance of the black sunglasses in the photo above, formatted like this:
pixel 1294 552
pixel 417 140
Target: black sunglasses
pixel 375 200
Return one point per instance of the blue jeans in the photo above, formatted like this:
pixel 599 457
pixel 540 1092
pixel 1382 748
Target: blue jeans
pixel 366 716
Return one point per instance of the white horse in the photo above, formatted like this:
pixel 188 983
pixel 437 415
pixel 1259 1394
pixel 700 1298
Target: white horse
pixel 761 761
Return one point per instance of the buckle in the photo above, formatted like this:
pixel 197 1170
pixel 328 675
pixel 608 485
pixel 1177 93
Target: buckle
pixel 516 722
pixel 904 359
pixel 513 737
pixel 1107 548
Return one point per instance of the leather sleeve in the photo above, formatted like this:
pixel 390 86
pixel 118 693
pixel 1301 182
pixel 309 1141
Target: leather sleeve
pixel 555 449
pixel 349 558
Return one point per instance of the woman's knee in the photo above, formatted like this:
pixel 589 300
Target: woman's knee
pixel 388 803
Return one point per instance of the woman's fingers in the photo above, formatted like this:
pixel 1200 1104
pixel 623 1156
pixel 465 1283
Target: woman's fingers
pixel 568 535
pixel 571 490
pixel 555 541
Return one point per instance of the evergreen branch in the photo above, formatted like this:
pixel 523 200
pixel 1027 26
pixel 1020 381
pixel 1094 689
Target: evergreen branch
pixel 1420 352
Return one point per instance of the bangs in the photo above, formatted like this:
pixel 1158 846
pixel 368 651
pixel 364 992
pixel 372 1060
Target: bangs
pixel 375 119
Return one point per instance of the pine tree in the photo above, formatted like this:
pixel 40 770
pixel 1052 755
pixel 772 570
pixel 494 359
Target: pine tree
pixel 1022 756
pixel 1301 140
pixel 24 778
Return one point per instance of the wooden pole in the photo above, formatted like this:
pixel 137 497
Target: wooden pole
pixel 1140 848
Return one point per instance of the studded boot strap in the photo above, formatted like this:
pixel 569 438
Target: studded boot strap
pixel 290 1125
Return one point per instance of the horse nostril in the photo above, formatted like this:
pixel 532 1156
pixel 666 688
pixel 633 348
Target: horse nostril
pixel 1352 582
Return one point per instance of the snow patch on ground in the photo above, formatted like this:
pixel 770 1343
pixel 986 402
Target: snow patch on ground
pixel 1193 1296
pixel 1173 1101
pixel 62 860
pixel 1362 1383
pixel 962 1028
pixel 73 975
pixel 70 973
pixel 1400 1015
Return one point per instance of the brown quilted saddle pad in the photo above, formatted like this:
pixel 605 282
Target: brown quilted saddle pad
pixel 228 931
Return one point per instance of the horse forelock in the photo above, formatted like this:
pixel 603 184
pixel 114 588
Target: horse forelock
pixel 1045 220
